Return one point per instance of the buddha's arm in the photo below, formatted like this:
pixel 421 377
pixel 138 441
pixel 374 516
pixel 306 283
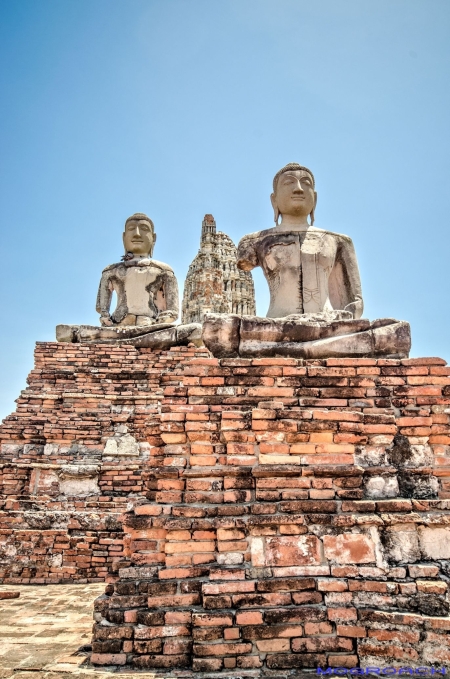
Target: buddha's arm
pixel 247 259
pixel 168 303
pixel 104 296
pixel 352 282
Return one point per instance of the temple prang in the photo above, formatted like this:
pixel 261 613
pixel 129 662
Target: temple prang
pixel 214 284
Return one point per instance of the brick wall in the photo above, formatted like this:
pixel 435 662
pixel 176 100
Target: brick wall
pixel 273 513
pixel 298 516
pixel 76 398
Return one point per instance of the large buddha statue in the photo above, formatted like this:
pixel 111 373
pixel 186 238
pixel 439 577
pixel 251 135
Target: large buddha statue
pixel 315 290
pixel 308 270
pixel 147 298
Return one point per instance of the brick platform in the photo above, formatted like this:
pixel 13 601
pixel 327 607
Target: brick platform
pixel 282 514
pixel 77 397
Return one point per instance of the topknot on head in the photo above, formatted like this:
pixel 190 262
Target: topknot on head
pixel 289 168
pixel 138 216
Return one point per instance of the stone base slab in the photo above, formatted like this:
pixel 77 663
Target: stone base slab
pixel 305 336
pixel 158 336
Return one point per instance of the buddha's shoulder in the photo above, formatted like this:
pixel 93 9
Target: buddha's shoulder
pixel 121 267
pixel 253 238
pixel 162 266
pixel 112 267
pixel 341 237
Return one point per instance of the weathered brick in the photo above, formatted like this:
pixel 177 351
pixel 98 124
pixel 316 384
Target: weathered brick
pixel 206 650
pixel 349 548
pixel 211 619
pixel 318 644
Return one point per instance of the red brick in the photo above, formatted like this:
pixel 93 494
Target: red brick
pixel 176 617
pixel 231 633
pixel 229 587
pixel 292 551
pixel 350 631
pixel 108 658
pixel 332 585
pixel 174 600
pixel 273 645
pixel 349 548
pixel 408 637
pixel 343 661
pixel 341 614
pixel 249 618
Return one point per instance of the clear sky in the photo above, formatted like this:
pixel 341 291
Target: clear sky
pixel 177 108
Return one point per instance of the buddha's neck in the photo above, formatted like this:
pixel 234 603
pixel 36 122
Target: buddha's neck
pixel 139 258
pixel 293 223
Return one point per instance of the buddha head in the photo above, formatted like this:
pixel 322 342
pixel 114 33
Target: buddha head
pixel 293 192
pixel 139 235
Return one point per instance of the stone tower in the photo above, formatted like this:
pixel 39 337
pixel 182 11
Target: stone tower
pixel 214 284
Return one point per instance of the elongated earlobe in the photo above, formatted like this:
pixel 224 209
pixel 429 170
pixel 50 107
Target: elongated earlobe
pixel 276 212
pixel 311 214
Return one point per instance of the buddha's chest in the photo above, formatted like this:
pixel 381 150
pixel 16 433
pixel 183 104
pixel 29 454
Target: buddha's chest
pixel 297 250
pixel 140 284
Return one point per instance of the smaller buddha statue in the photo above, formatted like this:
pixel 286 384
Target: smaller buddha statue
pixel 147 298
pixel 147 290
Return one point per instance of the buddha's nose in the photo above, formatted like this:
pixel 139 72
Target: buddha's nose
pixel 298 187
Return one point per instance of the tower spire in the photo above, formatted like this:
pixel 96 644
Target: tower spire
pixel 208 228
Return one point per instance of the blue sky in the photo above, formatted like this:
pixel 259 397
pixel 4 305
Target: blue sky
pixel 177 108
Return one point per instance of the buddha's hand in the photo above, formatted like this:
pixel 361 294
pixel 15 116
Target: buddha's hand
pixel 166 317
pixel 106 320
pixel 352 307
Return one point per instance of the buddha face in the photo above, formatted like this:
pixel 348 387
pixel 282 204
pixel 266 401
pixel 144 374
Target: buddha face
pixel 294 194
pixel 138 237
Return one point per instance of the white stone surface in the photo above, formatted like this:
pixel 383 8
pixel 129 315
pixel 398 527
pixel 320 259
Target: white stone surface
pixel 79 480
pixel 230 558
pixel 382 487
pixel 80 487
pixel 435 542
pixel 121 445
